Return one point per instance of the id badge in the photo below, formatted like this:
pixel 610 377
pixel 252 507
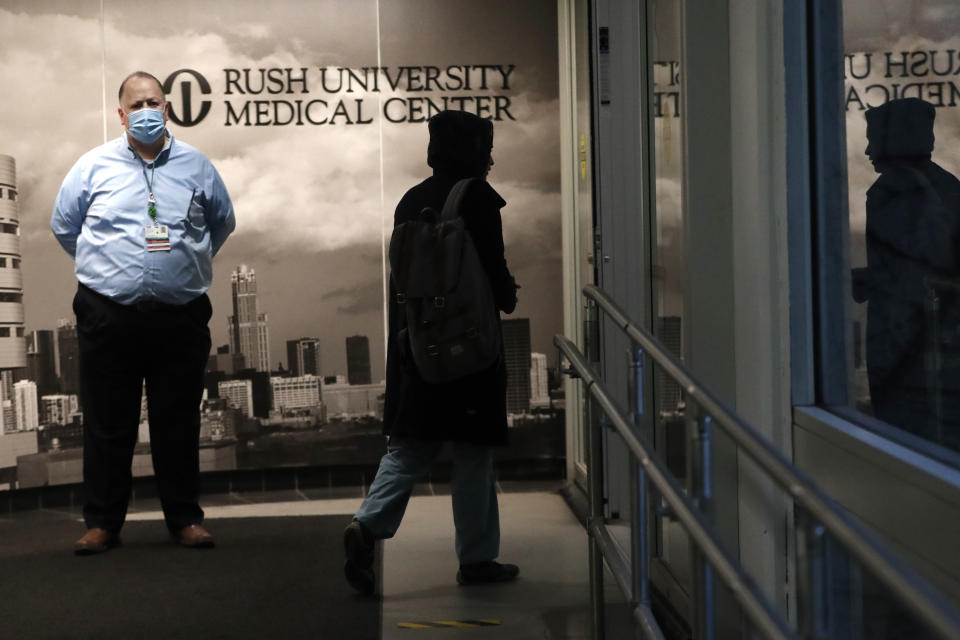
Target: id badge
pixel 158 237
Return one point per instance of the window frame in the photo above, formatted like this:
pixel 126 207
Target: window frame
pixel 819 240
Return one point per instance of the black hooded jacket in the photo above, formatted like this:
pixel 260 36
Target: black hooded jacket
pixel 472 409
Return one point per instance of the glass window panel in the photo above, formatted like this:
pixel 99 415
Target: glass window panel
pixel 902 100
pixel 668 267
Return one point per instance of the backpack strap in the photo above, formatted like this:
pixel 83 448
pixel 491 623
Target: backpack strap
pixel 399 259
pixel 451 208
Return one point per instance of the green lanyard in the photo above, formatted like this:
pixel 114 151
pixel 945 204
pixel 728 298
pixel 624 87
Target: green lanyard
pixel 151 201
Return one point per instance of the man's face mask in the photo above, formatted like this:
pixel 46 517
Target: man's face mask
pixel 146 125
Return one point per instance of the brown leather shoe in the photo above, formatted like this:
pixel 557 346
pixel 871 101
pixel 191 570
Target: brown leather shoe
pixel 194 536
pixel 96 540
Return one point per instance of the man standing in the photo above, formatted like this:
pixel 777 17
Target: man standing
pixel 143 216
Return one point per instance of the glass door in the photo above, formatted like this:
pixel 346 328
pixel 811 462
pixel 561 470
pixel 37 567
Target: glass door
pixel 671 565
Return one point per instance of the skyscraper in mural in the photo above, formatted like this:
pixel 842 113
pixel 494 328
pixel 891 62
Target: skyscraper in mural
pixel 13 346
pixel 539 382
pixel 247 326
pixel 358 360
pixel 8 407
pixel 299 392
pixel 42 362
pixel 58 408
pixel 68 357
pixel 516 348
pixel 239 394
pixel 26 406
pixel 303 356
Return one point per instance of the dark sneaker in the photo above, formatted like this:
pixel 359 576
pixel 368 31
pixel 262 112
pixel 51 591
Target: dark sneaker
pixel 486 572
pixel 358 546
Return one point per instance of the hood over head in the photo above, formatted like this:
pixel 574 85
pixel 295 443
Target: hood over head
pixel 901 128
pixel 460 144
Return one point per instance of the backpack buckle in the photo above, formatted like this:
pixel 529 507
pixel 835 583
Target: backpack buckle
pixel 401 298
pixel 439 302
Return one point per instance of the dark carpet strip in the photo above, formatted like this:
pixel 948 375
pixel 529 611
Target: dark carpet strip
pixel 267 578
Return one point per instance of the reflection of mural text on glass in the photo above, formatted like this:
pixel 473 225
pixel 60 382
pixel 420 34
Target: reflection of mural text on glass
pixel 875 78
pixel 666 89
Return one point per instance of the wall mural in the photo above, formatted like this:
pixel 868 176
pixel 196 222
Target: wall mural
pixel 315 114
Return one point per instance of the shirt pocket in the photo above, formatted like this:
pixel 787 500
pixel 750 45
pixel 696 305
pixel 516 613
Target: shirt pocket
pixel 195 222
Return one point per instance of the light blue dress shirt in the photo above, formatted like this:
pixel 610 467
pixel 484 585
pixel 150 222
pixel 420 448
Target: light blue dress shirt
pixel 101 212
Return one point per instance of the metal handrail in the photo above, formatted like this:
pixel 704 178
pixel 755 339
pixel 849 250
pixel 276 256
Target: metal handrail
pixel 693 521
pixel 902 580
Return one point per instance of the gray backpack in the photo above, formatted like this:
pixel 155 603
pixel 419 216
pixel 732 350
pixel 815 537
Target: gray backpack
pixel 448 315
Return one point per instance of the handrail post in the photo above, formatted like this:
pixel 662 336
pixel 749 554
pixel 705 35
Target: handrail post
pixel 594 443
pixel 819 596
pixel 700 488
pixel 591 331
pixel 595 507
pixel 933 362
pixel 639 524
pixel 705 425
pixel 640 528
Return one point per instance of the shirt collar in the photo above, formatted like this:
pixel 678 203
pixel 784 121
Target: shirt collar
pixel 164 154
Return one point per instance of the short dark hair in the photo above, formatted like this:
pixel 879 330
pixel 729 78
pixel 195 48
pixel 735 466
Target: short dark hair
pixel 137 74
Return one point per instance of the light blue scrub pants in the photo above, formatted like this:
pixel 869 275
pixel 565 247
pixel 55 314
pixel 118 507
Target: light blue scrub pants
pixel 476 516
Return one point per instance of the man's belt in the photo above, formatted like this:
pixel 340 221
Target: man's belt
pixel 155 306
pixel 143 306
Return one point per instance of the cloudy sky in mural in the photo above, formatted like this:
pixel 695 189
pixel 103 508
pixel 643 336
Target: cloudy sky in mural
pixel 313 201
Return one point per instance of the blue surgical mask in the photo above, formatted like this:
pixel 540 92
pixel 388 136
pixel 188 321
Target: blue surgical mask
pixel 146 125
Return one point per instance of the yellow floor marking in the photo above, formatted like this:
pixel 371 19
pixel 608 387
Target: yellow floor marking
pixel 458 624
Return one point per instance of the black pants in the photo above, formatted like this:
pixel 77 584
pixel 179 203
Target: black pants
pixel 120 348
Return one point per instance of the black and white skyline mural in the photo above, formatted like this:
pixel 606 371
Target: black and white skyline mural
pixel 314 113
